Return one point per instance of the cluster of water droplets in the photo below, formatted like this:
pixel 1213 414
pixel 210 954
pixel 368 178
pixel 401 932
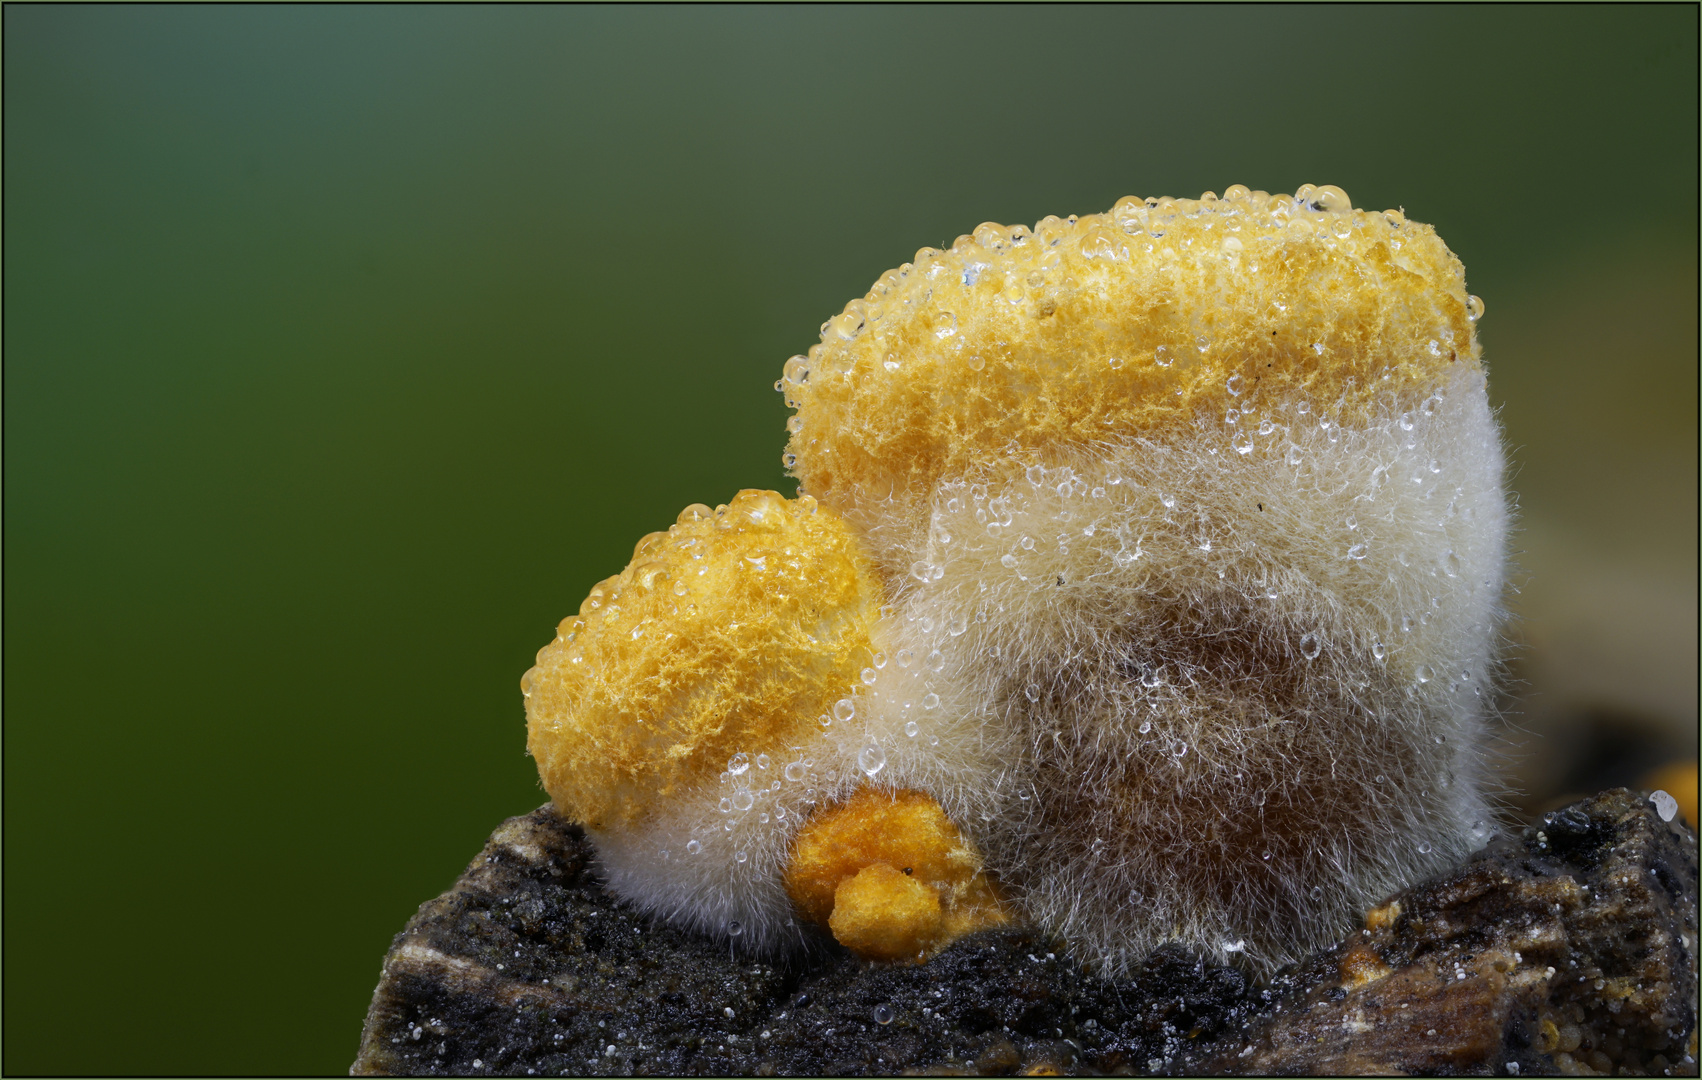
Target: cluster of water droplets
pixel 1022 266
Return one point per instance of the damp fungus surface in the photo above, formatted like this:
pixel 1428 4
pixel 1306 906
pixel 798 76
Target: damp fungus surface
pixel 1148 589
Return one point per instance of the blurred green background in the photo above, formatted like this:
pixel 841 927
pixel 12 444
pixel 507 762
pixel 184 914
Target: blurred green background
pixel 347 347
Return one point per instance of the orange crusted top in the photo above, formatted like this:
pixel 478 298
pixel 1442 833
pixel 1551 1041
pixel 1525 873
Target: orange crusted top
pixel 1117 325
pixel 731 632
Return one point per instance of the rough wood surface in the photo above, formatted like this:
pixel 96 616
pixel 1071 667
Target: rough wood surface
pixel 1569 948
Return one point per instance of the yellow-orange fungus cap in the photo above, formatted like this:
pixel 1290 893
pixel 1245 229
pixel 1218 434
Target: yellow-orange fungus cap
pixel 1113 325
pixel 861 869
pixel 731 632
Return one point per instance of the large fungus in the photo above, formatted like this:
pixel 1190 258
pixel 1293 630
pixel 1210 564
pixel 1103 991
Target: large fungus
pixel 1163 554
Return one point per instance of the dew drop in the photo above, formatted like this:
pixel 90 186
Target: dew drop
pixel 1424 847
pixel 734 928
pixel 1357 551
pixel 1114 362
pixel 1242 442
pixel 868 676
pixel 1311 645
pixel 1379 651
pixel 957 626
pixel 793 772
pixel 1266 427
pixel 905 657
pixel 742 800
pixel 738 764
pixel 930 701
pixel 1233 385
pixel 1474 308
pixel 872 760
pixel 762 761
pixel 1162 356
pixel 1480 830
pixel 1008 562
pixel 936 661
pixel 740 856
pixel 1317 892
pixel 1032 692
pixel 883 1014
pixel 1423 673
pixel 911 729
pixel 844 709
pixel 1665 805
pixel 694 848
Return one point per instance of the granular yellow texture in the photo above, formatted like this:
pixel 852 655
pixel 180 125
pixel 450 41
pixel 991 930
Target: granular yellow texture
pixel 890 876
pixel 1118 325
pixel 885 914
pixel 733 631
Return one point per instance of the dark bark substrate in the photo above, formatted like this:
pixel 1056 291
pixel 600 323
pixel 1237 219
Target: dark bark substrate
pixel 1567 949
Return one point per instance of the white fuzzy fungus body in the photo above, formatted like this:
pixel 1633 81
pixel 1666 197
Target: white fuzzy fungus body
pixel 1227 690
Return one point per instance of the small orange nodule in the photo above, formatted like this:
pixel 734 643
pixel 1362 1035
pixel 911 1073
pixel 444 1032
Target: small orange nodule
pixel 1362 965
pixel 884 914
pixel 1383 918
pixel 890 876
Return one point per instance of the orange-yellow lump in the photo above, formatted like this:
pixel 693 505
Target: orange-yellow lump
pixel 677 716
pixel 1106 326
pixel 891 876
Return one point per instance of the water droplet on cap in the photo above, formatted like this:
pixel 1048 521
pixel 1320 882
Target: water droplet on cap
pixel 872 760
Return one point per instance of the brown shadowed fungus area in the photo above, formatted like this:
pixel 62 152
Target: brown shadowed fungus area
pixel 734 630
pixel 890 876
